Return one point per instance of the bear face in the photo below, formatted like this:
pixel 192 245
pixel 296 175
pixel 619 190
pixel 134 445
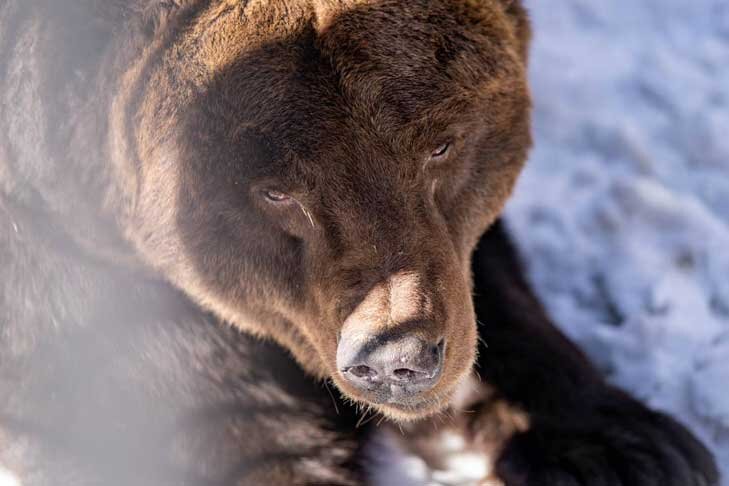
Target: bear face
pixel 320 172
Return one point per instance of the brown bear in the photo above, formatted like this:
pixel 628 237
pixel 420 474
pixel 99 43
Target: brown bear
pixel 237 236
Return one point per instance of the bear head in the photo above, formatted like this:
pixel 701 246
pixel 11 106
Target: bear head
pixel 318 172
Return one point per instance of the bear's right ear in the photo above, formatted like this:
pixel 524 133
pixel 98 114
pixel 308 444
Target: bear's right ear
pixel 143 17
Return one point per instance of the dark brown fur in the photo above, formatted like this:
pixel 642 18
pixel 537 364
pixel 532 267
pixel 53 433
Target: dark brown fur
pixel 137 141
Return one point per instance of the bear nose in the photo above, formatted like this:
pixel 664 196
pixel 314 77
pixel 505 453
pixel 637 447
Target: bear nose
pixel 393 369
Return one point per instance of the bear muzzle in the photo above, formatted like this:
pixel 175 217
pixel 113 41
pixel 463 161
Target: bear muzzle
pixel 391 368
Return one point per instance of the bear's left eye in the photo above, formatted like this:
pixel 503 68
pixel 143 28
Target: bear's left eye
pixel 440 151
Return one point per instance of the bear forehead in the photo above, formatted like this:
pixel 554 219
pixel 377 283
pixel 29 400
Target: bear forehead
pixel 366 76
pixel 392 63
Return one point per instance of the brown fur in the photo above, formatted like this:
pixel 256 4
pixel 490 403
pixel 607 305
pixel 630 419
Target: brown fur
pixel 313 99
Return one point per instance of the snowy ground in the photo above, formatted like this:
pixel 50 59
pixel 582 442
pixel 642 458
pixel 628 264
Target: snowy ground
pixel 623 212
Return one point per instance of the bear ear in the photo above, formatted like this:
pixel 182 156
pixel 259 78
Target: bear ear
pixel 522 27
pixel 517 14
pixel 142 17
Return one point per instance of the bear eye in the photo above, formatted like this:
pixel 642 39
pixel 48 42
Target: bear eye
pixel 276 196
pixel 440 151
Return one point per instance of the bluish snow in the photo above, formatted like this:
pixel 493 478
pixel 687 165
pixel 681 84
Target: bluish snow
pixel 623 211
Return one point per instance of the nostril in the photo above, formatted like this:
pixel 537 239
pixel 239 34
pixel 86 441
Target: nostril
pixel 361 371
pixel 405 374
pixel 439 352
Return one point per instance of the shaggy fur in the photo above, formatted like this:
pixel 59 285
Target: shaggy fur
pixel 138 143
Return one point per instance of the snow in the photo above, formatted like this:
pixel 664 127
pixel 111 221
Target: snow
pixel 622 214
pixel 397 465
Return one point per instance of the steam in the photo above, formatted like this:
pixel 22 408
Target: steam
pixel 7 478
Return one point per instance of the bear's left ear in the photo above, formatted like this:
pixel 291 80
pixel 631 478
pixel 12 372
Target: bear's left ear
pixel 517 14
pixel 522 27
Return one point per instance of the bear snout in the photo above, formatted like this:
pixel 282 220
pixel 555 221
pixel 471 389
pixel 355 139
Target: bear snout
pixel 387 368
pixel 393 349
